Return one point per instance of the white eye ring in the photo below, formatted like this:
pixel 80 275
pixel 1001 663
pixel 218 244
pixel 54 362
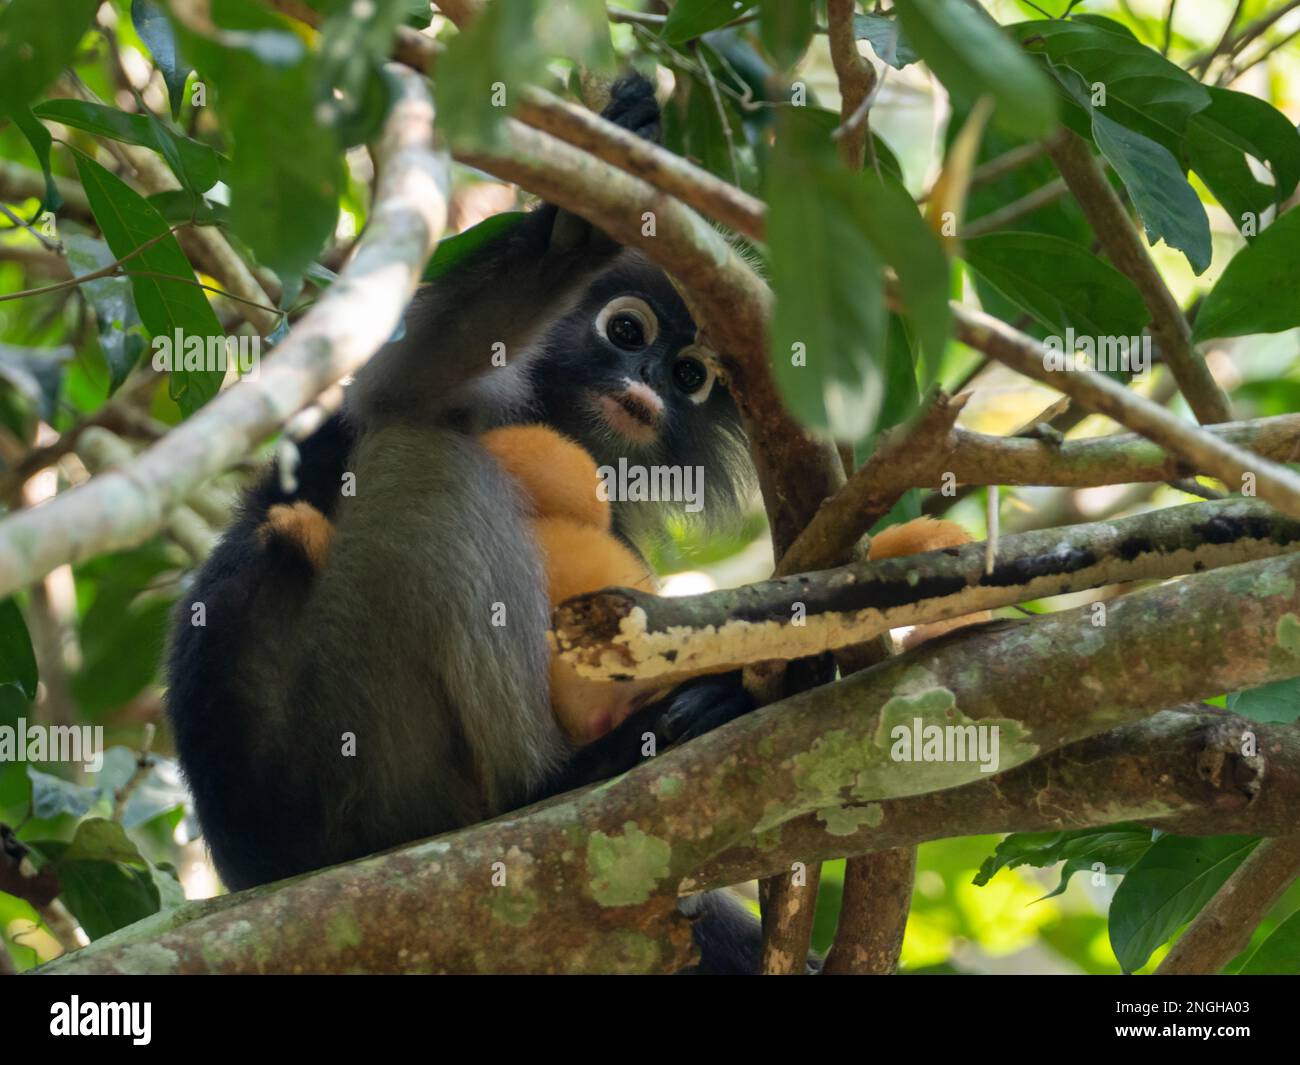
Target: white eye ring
pixel 705 357
pixel 638 308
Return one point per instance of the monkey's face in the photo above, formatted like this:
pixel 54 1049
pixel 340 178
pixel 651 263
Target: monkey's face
pixel 625 376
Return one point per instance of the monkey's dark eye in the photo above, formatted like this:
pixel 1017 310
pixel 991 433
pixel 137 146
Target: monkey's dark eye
pixel 690 375
pixel 626 331
pixel 628 323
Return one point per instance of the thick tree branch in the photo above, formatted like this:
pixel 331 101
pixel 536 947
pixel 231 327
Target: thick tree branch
pixel 589 876
pixel 1198 773
pixel 619 633
pixel 350 322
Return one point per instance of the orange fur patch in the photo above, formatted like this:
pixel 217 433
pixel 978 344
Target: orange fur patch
pixel 915 537
pixel 302 525
pixel 558 476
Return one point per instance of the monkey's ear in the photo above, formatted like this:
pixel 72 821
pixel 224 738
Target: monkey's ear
pixel 633 106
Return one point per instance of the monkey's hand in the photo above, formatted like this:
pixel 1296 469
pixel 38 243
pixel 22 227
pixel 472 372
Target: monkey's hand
pixel 691 710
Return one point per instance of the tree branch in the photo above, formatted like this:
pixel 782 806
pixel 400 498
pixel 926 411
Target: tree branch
pixel 1123 246
pixel 589 878
pixel 620 633
pixel 1206 452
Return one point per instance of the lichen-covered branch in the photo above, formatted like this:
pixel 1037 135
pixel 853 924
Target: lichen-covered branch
pixel 621 632
pixel 1193 772
pixel 588 879
pixel 349 323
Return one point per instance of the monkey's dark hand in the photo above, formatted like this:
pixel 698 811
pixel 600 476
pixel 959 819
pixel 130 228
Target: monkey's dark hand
pixel 691 710
pixel 700 706
pixel 633 106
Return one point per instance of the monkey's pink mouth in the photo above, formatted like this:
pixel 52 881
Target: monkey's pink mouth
pixel 634 413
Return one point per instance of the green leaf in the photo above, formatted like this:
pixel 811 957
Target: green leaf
pixel 453 249
pixel 786 29
pixel 1277 702
pixel 106 882
pixel 17 659
pixel 694 18
pixel 120 329
pixel 829 324
pixel 1279 954
pixel 1116 847
pixel 52 796
pixel 155 31
pixel 487 66
pixel 286 166
pixel 1259 291
pixel 1165 200
pixel 100 840
pixel 196 165
pixel 35 45
pixel 1220 140
pixel 181 205
pixel 1059 283
pixel 162 280
pixel 887 39
pixel 41 142
pixel 1144 91
pixel 974 58
pixel 1166 888
pixel 905 242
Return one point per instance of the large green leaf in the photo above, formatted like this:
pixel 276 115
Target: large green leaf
pixel 1117 848
pixel 162 280
pixel 1221 139
pixel 17 659
pixel 1279 954
pixel 905 242
pixel 828 327
pixel 1167 888
pixel 105 881
pixel 1259 292
pixel 196 165
pixel 35 44
pixel 1144 91
pixel 286 167
pixel 1060 283
pixel 693 18
pixel 974 58
pixel 1165 200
